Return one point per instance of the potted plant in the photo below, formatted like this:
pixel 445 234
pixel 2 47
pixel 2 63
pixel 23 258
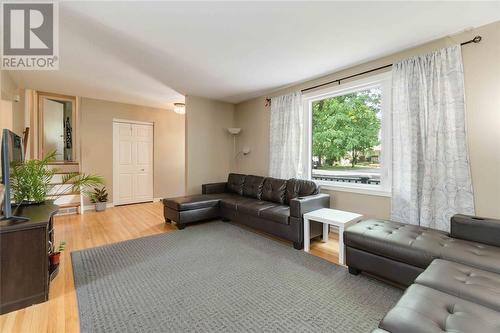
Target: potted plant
pixel 99 197
pixel 55 256
pixel 31 181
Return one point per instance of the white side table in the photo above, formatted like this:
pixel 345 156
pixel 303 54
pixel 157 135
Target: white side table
pixel 329 217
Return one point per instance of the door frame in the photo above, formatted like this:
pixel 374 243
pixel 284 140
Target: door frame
pixel 116 155
pixel 74 115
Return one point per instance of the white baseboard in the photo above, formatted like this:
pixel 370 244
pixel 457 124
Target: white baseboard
pixel 112 204
pixel 92 207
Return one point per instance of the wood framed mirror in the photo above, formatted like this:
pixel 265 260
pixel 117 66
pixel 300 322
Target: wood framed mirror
pixel 57 124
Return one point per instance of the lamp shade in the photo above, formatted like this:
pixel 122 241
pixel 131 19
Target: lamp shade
pixel 234 130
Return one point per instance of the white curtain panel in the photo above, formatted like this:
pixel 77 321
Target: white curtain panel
pixel 286 137
pixel 431 173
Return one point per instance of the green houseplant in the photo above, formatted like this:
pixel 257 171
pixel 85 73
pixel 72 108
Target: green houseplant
pixel 31 181
pixel 99 197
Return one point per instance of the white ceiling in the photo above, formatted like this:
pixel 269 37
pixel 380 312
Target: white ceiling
pixel 153 53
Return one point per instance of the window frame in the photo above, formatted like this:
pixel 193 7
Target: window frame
pixel 384 80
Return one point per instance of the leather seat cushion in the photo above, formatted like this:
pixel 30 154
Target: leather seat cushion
pixel 274 190
pixel 425 310
pixel 235 183
pixel 231 201
pixel 418 246
pixel 192 202
pixel 278 214
pixel 254 207
pixel 485 257
pixel 468 283
pixel 300 188
pixel 252 187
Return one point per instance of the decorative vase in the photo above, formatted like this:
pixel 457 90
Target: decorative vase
pixel 100 206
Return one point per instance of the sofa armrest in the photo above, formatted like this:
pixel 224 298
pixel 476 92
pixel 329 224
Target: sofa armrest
pixel 213 188
pixel 476 229
pixel 301 205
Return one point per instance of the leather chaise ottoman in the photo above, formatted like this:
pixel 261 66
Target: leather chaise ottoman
pixel 425 310
pixel 192 208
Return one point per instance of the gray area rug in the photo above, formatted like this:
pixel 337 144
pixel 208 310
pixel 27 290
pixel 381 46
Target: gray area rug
pixel 217 277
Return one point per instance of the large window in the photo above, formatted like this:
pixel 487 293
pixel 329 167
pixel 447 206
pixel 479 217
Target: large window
pixel 350 135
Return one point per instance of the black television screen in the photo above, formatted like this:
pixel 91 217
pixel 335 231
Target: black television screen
pixel 12 153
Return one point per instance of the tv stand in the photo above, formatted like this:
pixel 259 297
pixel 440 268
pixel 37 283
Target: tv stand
pixel 15 219
pixel 25 245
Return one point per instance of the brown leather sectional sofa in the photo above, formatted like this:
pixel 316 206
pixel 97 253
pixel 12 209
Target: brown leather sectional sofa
pixel 453 279
pixel 275 206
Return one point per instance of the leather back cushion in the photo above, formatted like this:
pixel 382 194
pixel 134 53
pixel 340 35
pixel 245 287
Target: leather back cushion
pixel 300 188
pixel 253 186
pixel 235 183
pixel 274 190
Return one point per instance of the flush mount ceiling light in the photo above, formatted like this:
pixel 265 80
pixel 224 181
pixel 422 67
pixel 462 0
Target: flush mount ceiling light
pixel 180 108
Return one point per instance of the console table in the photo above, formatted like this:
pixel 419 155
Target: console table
pixel 329 217
pixel 25 271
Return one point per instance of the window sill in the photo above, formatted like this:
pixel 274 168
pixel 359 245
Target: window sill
pixel 360 189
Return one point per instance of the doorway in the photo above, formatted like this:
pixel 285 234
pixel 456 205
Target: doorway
pixel 132 162
pixel 57 124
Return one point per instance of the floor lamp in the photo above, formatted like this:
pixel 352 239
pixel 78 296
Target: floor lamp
pixel 234 131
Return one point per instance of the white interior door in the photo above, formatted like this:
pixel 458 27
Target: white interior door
pixel 132 163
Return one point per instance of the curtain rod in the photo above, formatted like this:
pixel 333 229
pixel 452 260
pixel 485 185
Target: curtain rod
pixel 474 40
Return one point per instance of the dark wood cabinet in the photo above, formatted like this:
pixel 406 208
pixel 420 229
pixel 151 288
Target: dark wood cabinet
pixel 24 257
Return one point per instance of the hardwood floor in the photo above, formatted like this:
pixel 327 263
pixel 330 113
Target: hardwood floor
pixel 60 313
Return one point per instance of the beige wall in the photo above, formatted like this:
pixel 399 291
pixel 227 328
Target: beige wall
pixel 482 85
pixel 254 120
pixel 11 112
pixel 8 86
pixel 96 129
pixel 209 146
pixel 482 97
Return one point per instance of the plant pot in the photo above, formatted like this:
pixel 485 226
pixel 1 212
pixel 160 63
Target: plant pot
pixel 54 258
pixel 100 206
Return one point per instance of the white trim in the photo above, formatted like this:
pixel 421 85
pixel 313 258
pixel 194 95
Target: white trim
pixel 157 199
pixel 92 206
pixel 126 121
pixel 115 162
pixel 385 81
pixel 353 188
